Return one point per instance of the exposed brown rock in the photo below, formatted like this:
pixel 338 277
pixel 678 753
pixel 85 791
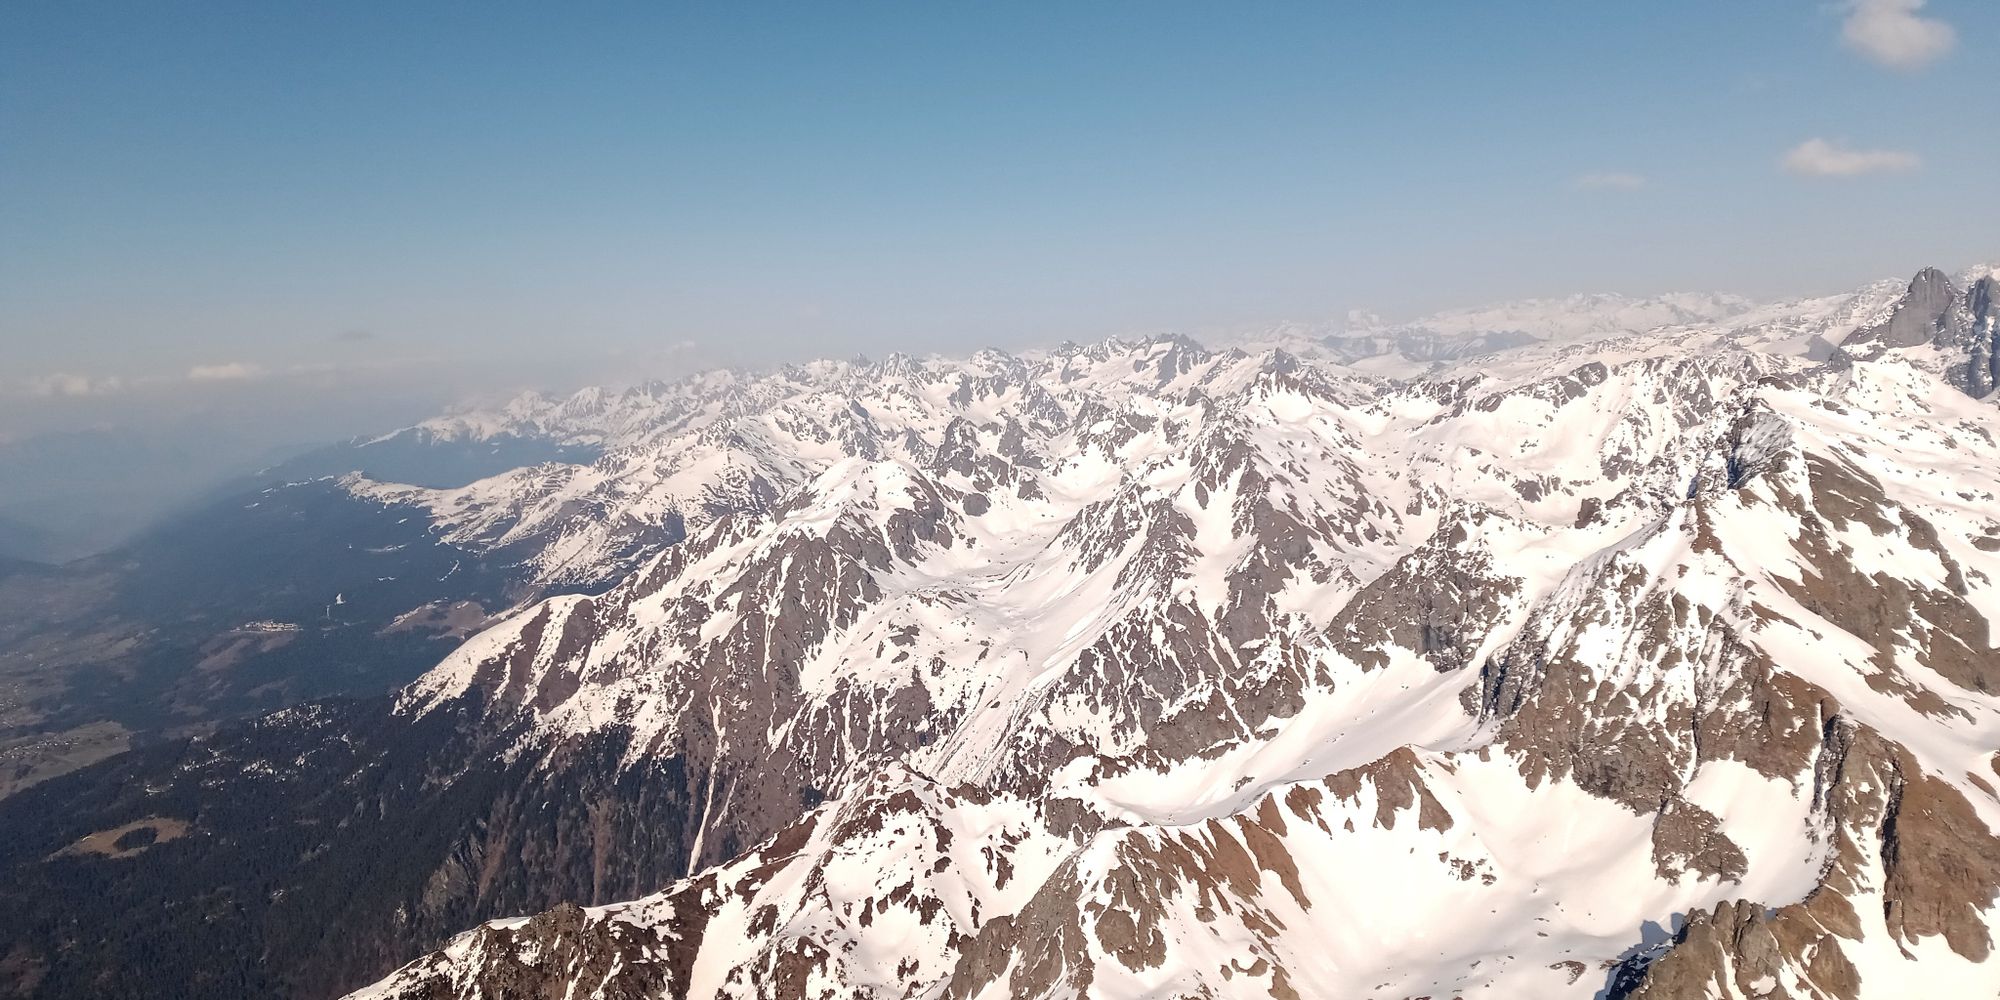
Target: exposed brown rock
pixel 1688 838
pixel 1399 784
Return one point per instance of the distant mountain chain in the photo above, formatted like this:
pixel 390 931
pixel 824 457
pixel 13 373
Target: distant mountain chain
pixel 680 453
pixel 1597 647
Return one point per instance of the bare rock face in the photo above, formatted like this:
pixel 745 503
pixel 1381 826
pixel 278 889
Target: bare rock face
pixel 1740 950
pixel 1960 325
pixel 557 953
pixel 1926 314
pixel 1440 601
pixel 1757 440
pixel 1898 836
pixel 1982 367
pixel 1688 838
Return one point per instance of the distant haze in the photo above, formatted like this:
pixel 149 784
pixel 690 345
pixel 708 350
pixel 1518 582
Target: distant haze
pixel 243 229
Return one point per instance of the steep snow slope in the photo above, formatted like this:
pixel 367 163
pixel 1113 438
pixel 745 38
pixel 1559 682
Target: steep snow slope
pixel 1651 665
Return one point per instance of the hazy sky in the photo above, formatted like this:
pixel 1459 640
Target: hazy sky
pixel 195 196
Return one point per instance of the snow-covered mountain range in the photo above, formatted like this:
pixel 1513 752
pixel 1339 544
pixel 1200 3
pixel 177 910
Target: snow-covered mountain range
pixel 1642 652
pixel 679 454
pixel 1587 647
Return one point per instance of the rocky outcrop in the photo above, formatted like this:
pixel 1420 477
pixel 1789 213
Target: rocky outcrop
pixel 1904 845
pixel 1927 313
pixel 1982 367
pixel 1962 325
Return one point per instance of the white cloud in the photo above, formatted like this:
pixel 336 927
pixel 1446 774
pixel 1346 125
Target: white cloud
pixel 64 384
pixel 234 371
pixel 1820 158
pixel 1892 33
pixel 1611 181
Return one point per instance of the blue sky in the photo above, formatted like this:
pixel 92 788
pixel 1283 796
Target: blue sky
pixel 253 188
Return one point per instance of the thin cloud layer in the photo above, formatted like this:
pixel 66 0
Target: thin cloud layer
pixel 234 371
pixel 1820 158
pixel 70 385
pixel 59 384
pixel 1893 33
